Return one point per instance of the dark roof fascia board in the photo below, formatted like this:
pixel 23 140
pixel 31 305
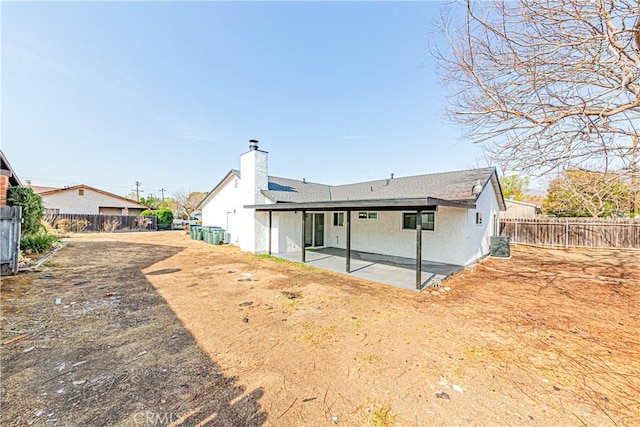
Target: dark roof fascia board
pixel 380 204
pixel 214 189
pixel 497 187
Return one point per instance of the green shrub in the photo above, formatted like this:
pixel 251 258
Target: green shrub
pixel 32 208
pixel 165 216
pixel 37 242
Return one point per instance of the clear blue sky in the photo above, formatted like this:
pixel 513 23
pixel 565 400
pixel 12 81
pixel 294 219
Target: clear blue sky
pixel 169 93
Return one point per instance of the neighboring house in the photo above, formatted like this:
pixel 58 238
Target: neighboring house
pixel 85 200
pixel 261 213
pixel 516 209
pixel 8 178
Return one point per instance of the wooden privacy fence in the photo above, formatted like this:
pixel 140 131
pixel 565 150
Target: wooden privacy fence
pixel 573 232
pixel 103 223
pixel 10 222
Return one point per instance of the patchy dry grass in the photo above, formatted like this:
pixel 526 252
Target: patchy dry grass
pixel 507 345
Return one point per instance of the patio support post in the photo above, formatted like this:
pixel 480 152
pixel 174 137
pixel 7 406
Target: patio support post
pixel 348 241
pixel 303 238
pixel 270 212
pixel 419 249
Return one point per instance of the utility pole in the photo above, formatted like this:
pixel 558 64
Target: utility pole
pixel 162 190
pixel 138 184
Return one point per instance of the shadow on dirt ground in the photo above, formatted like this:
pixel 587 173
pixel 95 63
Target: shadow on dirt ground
pixel 90 342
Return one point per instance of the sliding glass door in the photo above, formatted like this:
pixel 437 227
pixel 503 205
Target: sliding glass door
pixel 314 229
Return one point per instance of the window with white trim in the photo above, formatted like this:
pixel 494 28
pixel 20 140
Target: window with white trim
pixel 367 215
pixel 428 221
pixel 338 219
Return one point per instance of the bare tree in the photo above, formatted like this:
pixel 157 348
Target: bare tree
pixel 546 85
pixel 188 201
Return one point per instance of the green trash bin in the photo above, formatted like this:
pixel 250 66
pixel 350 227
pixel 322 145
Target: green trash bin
pixel 210 235
pixel 217 235
pixel 207 234
pixel 197 232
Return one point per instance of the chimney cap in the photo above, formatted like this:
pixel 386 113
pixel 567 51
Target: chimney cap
pixel 253 144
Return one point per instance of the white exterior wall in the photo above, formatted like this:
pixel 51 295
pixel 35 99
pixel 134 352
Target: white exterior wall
pixel 286 232
pixel 386 236
pixel 70 202
pixel 477 235
pixel 227 198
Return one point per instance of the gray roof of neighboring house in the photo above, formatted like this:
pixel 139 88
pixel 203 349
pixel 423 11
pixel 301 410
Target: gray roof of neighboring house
pixel 520 203
pixel 455 186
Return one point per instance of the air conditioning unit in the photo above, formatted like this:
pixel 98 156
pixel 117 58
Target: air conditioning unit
pixel 499 246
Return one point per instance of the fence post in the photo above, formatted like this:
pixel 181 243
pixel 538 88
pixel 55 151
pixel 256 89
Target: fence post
pixel 515 234
pixel 566 234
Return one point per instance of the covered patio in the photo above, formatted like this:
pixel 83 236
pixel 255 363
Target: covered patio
pixel 348 261
pixel 390 270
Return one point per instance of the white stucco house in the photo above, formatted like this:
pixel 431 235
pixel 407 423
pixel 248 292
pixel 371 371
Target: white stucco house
pixel 457 212
pixel 85 200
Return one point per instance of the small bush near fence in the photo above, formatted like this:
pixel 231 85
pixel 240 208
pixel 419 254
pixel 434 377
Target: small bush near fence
pixel 101 223
pixel 573 232
pixel 37 243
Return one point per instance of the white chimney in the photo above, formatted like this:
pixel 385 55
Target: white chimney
pixel 254 175
pixel 253 179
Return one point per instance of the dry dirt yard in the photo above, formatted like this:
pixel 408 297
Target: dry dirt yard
pixel 157 329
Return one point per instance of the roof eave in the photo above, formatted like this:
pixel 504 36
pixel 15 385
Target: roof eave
pixel 214 189
pixel 97 190
pixel 497 189
pixel 379 204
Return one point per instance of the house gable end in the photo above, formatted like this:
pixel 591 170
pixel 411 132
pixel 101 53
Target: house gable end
pixel 130 203
pixel 232 173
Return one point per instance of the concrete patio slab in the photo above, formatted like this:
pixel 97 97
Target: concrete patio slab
pixel 390 270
